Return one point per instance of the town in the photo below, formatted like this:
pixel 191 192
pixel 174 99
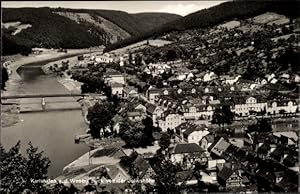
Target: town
pixel 202 111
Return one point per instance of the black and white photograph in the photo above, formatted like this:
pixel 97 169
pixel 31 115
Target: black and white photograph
pixel 113 97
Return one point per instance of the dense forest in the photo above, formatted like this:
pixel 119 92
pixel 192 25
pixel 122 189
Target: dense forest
pixel 218 14
pixel 50 30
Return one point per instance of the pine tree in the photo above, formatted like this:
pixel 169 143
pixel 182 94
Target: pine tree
pixel 13 171
pixel 18 171
pixel 37 167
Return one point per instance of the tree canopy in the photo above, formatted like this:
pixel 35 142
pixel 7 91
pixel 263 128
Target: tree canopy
pixel 100 117
pixel 223 116
pixel 19 172
pixel 4 76
pixel 262 125
pixel 137 134
pixel 165 141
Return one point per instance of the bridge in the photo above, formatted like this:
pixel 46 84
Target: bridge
pixel 27 106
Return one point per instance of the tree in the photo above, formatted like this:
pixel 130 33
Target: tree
pixel 132 134
pixel 217 117
pixel 100 117
pixel 165 178
pixel 227 114
pixel 223 115
pixel 19 173
pixel 165 141
pixel 37 167
pixel 136 134
pixel 262 125
pixel 171 55
pixel 4 78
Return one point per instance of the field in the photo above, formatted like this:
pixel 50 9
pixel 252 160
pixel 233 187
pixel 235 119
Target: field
pixel 141 45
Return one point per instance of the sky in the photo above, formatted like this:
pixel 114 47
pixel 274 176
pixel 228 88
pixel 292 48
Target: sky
pixel 177 7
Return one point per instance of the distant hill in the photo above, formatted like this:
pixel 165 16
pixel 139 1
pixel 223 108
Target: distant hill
pixel 72 28
pixel 149 21
pixel 216 15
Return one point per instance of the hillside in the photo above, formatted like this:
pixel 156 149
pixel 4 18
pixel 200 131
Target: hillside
pixel 253 48
pixel 149 21
pixel 216 15
pixel 70 28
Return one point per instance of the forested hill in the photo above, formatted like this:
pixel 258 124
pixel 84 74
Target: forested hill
pixel 215 15
pixel 24 28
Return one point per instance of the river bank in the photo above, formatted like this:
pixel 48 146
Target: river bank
pixel 9 115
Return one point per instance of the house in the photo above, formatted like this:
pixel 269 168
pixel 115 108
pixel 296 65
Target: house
pixel 286 137
pixel 155 112
pixel 142 87
pixel 243 105
pixel 230 80
pixel 136 115
pixel 105 58
pixel 114 77
pixel 270 77
pixel 181 76
pixel 219 147
pixel 198 111
pixel 209 76
pixel 190 76
pixel 208 178
pixel 206 141
pixel 215 164
pixel 282 104
pixel 157 69
pixel 191 133
pixel 142 167
pixel 117 89
pixel 140 107
pixel 169 120
pixel 111 173
pixel 117 119
pixel 186 154
pixel 230 177
pixel 129 91
pixel 187 177
pixel 152 93
pixel 236 141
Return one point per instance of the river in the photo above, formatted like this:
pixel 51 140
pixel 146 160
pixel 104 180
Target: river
pixel 51 132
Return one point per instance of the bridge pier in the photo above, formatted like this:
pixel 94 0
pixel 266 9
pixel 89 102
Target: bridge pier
pixel 43 104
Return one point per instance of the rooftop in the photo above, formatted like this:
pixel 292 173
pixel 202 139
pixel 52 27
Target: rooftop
pixel 187 148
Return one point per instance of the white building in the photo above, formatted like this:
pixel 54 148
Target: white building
pixel 169 120
pixel 191 133
pixel 157 68
pixel 209 77
pixel 286 105
pixel 186 153
pixel 199 111
pixel 152 93
pixel 244 105
pixel 114 77
pixel 105 58
pixel 117 89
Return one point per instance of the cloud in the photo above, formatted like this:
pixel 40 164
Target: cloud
pixel 187 8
